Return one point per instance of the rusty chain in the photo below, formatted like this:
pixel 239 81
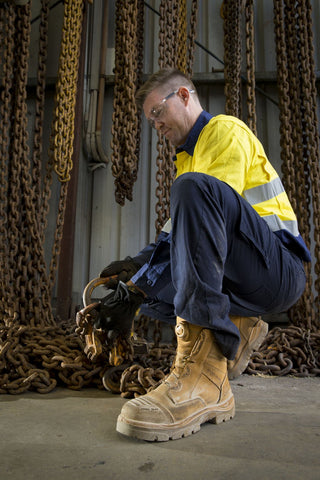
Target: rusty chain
pixel 182 36
pixel 299 148
pixel 250 50
pixel 139 81
pixel 231 11
pixel 62 135
pixel 40 100
pixel 35 353
pixel 66 88
pixel 304 307
pixel 310 134
pixel 7 55
pixel 128 69
pixel 293 350
pixel 192 37
pixel 39 359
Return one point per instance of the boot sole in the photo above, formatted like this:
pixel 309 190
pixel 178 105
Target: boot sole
pixel 236 370
pixel 162 433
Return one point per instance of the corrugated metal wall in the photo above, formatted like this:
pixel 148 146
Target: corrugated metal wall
pixel 104 230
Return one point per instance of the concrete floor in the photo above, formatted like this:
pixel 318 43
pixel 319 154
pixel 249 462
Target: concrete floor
pixel 70 435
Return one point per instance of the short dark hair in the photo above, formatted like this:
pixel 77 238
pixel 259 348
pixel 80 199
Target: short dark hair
pixel 166 76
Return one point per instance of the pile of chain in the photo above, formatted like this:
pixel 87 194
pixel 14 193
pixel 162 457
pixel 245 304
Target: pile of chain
pixel 288 351
pixel 39 359
pixel 143 374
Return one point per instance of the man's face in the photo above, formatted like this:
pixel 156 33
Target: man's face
pixel 167 111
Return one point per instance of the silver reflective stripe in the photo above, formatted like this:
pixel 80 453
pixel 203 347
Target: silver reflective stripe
pixel 276 224
pixel 265 192
pixel 167 226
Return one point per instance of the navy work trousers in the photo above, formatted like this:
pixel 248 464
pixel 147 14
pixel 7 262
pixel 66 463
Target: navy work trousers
pixel 224 259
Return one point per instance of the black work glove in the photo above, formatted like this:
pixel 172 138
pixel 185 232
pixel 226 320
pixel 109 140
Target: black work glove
pixel 124 269
pixel 117 311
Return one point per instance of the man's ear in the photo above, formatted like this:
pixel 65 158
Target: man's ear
pixel 184 94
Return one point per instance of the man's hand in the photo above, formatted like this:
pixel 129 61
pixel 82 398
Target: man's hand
pixel 124 269
pixel 117 310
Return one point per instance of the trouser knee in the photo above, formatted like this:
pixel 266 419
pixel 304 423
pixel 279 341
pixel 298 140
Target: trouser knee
pixel 190 186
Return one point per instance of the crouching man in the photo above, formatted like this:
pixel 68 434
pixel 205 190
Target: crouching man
pixel 230 252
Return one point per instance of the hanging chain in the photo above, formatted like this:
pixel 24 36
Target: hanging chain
pixel 286 151
pixel 250 50
pixel 182 36
pixel 310 135
pixel 293 152
pixel 304 308
pixel 231 10
pixel 303 311
pixel 40 101
pixel 139 81
pixel 125 126
pixel 296 349
pixel 66 88
pixel 63 126
pixel 7 56
pixel 192 37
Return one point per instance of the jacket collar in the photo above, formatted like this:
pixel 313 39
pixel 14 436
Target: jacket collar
pixel 193 136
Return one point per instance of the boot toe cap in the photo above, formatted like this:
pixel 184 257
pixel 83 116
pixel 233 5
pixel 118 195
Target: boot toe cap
pixel 143 409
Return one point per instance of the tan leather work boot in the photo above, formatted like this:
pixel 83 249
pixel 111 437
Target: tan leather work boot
pixel 252 330
pixel 196 391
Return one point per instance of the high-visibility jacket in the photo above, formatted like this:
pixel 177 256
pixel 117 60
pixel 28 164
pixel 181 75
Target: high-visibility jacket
pixel 224 147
